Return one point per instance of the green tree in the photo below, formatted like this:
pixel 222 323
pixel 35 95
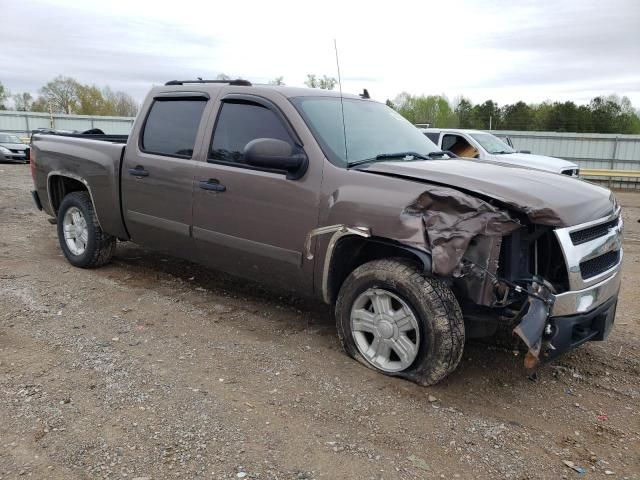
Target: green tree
pixel 518 116
pixel 325 83
pixel 62 94
pixel 486 115
pixel 40 104
pixel 22 101
pixel 4 95
pixel 464 111
pixel 432 109
pixel 277 81
pixel 91 101
pixel 120 104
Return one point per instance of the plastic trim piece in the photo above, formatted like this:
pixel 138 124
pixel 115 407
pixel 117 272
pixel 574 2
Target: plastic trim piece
pixel 338 231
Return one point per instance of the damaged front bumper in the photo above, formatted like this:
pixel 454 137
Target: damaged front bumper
pixel 580 316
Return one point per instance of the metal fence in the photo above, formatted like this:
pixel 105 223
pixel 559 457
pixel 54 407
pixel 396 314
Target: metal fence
pixel 22 123
pixel 588 150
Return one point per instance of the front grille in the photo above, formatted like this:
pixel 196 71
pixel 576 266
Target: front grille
pixel 595 266
pixel 588 234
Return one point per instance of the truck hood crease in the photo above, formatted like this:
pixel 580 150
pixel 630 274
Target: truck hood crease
pixel 546 198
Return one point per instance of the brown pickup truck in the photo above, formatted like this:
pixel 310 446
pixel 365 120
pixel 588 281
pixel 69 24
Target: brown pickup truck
pixel 340 198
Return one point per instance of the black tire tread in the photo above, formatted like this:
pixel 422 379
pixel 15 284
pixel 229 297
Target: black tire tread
pixel 105 244
pixel 437 297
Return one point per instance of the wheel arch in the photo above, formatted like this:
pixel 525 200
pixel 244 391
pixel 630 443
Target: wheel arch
pixel 60 184
pixel 351 251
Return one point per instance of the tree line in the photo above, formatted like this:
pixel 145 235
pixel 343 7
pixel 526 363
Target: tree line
pixel 611 114
pixel 67 95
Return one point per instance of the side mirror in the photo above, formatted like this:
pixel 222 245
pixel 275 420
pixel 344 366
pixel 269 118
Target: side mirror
pixel 276 155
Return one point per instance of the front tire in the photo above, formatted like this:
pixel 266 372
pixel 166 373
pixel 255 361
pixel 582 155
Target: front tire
pixel 394 319
pixel 82 240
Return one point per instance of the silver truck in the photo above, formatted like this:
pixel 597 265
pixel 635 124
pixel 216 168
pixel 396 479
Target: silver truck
pixel 341 198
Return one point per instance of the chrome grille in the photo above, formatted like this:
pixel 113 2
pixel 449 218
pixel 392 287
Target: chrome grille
pixel 596 266
pixel 582 236
pixel 591 250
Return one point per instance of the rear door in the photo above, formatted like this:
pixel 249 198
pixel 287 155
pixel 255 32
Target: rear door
pixel 248 221
pixel 157 173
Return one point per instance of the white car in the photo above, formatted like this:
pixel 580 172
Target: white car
pixel 488 147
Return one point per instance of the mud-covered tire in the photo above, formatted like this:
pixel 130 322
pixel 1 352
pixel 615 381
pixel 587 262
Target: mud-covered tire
pixel 438 315
pixel 100 246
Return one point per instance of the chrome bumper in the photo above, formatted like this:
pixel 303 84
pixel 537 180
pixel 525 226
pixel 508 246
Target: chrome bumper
pixel 582 301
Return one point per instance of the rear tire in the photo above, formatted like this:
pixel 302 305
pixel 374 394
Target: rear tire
pixel 81 238
pixel 416 320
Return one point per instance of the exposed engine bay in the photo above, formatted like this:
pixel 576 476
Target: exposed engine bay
pixel 498 263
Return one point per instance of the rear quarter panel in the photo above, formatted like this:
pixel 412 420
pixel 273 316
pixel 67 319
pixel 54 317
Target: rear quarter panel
pixel 95 163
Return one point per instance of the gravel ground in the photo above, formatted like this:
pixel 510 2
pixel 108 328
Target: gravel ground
pixel 156 368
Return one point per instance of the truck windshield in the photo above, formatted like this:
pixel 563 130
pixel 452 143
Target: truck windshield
pixel 372 130
pixel 492 144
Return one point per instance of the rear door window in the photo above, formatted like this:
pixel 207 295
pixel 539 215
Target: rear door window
pixel 239 123
pixel 172 126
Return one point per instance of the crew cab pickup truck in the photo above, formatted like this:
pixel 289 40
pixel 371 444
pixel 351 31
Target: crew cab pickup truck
pixel 341 198
pixel 487 147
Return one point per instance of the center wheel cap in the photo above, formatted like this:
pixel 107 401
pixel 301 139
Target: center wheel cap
pixel 385 329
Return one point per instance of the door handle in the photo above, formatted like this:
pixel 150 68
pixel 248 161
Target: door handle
pixel 139 171
pixel 212 184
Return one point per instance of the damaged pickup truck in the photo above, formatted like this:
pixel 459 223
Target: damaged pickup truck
pixel 343 199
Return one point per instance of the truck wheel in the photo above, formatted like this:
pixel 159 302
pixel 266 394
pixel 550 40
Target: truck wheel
pixel 82 240
pixel 393 318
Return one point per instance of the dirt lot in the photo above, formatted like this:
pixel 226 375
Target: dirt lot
pixel 157 368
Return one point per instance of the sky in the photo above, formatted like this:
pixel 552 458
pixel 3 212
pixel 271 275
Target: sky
pixel 503 50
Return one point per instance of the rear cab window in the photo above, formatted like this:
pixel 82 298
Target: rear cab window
pixel 171 126
pixel 433 136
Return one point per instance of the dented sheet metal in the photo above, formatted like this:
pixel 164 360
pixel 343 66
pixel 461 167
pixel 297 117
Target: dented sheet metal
pixel 452 219
pixel 546 198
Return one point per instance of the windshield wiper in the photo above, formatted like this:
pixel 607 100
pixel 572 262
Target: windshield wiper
pixel 441 154
pixel 388 156
pixel 404 155
pixel 501 152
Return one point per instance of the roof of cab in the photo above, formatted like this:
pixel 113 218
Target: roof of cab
pixel 289 92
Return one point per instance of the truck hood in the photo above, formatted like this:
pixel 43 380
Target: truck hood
pixel 547 198
pixel 540 162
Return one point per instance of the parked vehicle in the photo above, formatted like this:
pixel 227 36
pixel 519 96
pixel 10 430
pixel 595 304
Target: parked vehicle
pixel 341 198
pixel 486 146
pixel 12 149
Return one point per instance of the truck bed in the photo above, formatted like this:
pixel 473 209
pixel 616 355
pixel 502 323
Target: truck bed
pixel 93 159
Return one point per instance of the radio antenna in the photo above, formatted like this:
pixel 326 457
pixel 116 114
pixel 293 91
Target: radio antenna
pixel 344 127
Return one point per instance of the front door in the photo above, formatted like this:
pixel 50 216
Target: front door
pixel 248 221
pixel 459 145
pixel 157 175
